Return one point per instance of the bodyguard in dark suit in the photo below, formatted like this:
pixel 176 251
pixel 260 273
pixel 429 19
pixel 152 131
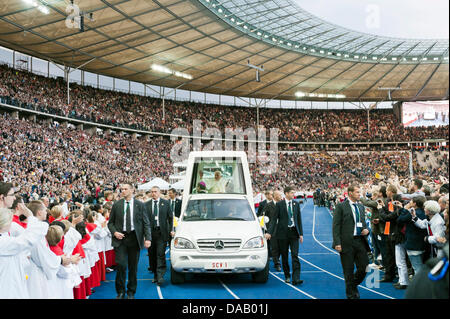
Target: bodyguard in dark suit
pixel 269 211
pixel 130 226
pixel 161 221
pixel 350 240
pixel 175 203
pixel 289 231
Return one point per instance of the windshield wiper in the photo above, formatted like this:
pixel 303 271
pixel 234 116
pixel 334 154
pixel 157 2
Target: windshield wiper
pixel 230 218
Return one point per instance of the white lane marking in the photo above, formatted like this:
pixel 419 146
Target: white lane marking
pixel 336 253
pixel 303 272
pixel 292 286
pixel 159 292
pixel 228 289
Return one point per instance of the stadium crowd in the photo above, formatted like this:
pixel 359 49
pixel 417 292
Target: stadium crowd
pixel 28 90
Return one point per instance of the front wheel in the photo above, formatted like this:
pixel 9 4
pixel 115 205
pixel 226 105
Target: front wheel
pixel 176 277
pixel 262 276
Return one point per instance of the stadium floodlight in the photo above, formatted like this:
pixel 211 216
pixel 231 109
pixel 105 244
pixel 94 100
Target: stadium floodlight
pixel 44 9
pixel 300 94
pixel 163 69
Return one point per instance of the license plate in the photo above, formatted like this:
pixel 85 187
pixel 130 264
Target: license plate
pixel 219 265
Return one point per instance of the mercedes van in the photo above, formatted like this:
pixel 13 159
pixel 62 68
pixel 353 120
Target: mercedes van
pixel 218 231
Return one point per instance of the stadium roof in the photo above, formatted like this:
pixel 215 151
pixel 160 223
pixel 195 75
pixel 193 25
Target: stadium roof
pixel 206 45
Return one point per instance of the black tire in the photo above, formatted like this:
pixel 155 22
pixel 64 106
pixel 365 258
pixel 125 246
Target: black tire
pixel 176 278
pixel 262 276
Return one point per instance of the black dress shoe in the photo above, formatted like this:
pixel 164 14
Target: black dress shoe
pixel 287 280
pixel 297 282
pixel 154 280
pixel 278 268
pixel 160 281
pixel 120 296
pixel 398 286
pixel 130 296
pixel 386 280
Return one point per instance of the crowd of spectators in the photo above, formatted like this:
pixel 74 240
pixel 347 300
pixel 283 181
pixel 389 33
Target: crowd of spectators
pixel 51 160
pixel 49 95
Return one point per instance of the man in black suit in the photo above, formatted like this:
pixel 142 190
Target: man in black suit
pixel 350 240
pixel 175 203
pixel 130 226
pixel 161 221
pixel 272 243
pixel 289 231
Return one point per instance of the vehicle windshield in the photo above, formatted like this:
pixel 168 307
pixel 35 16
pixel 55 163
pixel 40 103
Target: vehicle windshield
pixel 217 176
pixel 218 209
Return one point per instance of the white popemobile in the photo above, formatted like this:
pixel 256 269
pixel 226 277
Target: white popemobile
pixel 218 231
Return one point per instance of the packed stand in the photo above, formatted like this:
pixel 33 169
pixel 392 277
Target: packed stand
pixel 28 90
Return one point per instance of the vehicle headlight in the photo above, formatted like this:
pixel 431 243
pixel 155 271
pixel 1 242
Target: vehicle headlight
pixel 257 242
pixel 183 243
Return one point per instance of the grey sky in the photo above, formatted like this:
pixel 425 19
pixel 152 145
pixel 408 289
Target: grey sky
pixel 428 19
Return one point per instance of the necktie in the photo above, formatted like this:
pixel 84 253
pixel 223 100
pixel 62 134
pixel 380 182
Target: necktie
pixel 173 205
pixel 128 218
pixel 358 219
pixel 290 214
pixel 155 210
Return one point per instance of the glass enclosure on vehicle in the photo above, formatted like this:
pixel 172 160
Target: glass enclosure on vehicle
pixel 218 209
pixel 218 176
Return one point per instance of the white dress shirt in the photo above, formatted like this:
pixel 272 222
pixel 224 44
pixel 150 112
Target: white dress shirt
pixel 354 214
pixel 292 207
pixel 125 214
pixel 153 206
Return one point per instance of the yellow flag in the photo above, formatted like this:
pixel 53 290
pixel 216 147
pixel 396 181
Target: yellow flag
pixel 262 222
pixel 377 176
pixel 175 221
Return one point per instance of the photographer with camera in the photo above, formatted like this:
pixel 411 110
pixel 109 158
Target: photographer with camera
pixel 388 214
pixel 397 235
pixel 414 236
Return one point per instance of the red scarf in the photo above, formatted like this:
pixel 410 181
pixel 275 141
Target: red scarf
pixel 90 227
pixel 17 220
pixel 79 250
pixel 85 239
pixel 57 250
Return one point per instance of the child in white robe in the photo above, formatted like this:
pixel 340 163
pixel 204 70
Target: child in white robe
pixel 44 263
pixel 12 275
